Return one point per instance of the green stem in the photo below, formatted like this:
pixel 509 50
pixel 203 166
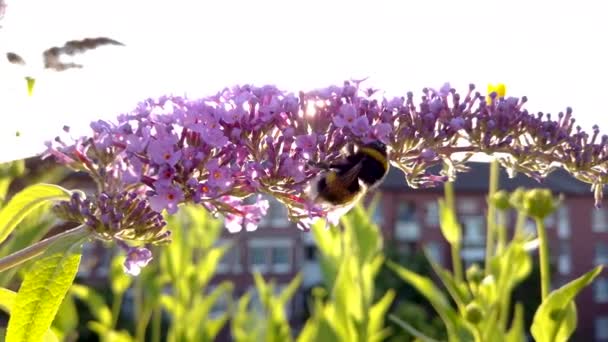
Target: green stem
pixel 491 225
pixel 116 302
pixel 505 309
pixel 519 224
pixel 142 324
pixel 502 232
pixel 457 262
pixel 545 276
pixel 455 247
pixel 138 307
pixel 156 325
pixel 39 247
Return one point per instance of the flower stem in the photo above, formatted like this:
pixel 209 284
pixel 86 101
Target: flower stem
pixel 545 276
pixel 491 225
pixel 39 247
pixel 519 225
pixel 116 302
pixel 455 247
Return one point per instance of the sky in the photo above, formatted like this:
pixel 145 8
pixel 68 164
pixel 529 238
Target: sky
pixel 553 52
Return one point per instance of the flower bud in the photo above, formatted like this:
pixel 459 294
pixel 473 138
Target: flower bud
pixel 473 313
pixel 474 274
pixel 500 200
pixel 517 198
pixel 539 203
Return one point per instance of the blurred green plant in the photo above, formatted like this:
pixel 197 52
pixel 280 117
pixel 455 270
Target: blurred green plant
pixel 350 259
pixel 177 285
pixel 268 320
pixel 482 296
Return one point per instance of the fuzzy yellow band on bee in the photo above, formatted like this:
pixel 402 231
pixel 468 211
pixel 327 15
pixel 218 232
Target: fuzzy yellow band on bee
pixel 376 155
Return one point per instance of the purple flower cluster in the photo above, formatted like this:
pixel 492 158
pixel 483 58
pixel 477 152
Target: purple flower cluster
pixel 220 150
pixel 124 216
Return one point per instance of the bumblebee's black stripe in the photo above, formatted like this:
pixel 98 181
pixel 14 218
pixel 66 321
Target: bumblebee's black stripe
pixel 339 188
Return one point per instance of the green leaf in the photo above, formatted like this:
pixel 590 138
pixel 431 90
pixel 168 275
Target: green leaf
pixel 119 279
pixel 95 302
pixel 66 320
pixel 457 331
pixel 555 319
pixel 410 329
pixel 25 201
pixel 208 265
pixel 377 314
pixel 7 298
pixel 201 312
pixel 459 292
pixel 450 228
pixel 291 289
pixel 516 333
pixel 31 229
pixel 110 335
pixel 41 294
pixel 366 235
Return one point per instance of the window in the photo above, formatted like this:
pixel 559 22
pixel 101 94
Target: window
pixel 564 261
pixel 599 220
pixel 270 255
pixel 563 223
pixel 407 227
pixel 435 251
pixel 530 227
pixel 378 215
pixel 550 220
pixel 432 214
pixel 276 217
pixel 600 290
pixel 280 259
pixel 258 259
pixel 601 328
pixel 468 206
pixel 601 253
pixel 474 229
pixel 231 262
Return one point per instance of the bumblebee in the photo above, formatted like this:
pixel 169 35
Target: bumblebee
pixel 346 181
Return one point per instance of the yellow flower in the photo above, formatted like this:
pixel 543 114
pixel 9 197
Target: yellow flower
pixel 500 89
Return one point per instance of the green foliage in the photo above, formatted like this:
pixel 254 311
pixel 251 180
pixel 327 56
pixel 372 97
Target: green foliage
pixel 188 264
pixel 25 202
pixel 41 293
pixel 555 319
pixel 268 321
pixel 350 259
pixel 176 283
pixel 31 229
pixel 479 307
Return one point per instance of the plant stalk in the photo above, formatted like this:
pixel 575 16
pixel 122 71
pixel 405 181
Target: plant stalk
pixel 545 276
pixel 39 248
pixel 116 302
pixel 455 248
pixel 491 225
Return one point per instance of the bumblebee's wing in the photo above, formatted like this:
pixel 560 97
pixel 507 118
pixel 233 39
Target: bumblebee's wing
pixel 351 175
pixel 52 55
